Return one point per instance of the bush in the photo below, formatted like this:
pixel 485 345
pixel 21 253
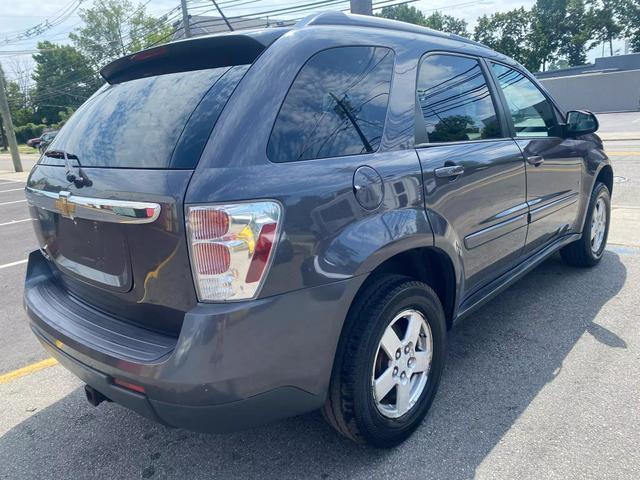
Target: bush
pixel 30 130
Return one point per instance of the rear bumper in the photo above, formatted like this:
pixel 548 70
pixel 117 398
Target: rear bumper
pixel 233 365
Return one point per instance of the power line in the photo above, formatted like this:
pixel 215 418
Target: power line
pixel 42 27
pixel 165 19
pixel 299 8
pixel 154 28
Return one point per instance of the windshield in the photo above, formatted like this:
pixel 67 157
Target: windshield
pixel 139 123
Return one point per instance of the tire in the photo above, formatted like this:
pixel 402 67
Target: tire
pixel 351 407
pixel 582 253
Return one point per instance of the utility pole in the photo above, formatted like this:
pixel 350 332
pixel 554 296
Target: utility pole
pixel 3 137
pixel 361 7
pixel 8 125
pixel 185 19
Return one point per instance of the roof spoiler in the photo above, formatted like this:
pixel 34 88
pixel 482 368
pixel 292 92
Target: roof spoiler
pixel 199 53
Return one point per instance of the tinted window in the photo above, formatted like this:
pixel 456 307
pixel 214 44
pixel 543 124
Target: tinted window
pixel 137 124
pixel 336 106
pixel 531 112
pixel 455 100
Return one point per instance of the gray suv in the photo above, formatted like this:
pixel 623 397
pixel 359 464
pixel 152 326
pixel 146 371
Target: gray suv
pixel 244 227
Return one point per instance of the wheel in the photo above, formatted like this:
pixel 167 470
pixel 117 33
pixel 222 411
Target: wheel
pixel 588 251
pixel 389 362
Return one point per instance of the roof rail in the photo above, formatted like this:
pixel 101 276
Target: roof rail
pixel 340 18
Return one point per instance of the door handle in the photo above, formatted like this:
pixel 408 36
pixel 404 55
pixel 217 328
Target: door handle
pixel 451 171
pixel 535 160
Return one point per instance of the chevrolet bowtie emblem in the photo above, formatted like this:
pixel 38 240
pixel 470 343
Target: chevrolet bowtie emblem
pixel 63 206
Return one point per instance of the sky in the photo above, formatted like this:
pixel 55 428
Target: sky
pixel 17 16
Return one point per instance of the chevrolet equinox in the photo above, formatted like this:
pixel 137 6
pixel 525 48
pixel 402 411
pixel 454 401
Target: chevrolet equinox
pixel 243 227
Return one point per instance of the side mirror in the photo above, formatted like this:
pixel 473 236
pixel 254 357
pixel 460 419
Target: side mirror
pixel 580 122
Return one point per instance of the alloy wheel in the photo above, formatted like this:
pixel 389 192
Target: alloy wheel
pixel 402 364
pixel 598 225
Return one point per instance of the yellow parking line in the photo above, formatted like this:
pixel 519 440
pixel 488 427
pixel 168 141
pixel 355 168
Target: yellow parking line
pixel 623 154
pixel 28 370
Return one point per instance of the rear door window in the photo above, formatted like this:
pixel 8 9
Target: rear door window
pixel 336 106
pixel 138 123
pixel 454 99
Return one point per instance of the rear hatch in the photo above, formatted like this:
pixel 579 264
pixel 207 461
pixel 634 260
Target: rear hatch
pixel 107 196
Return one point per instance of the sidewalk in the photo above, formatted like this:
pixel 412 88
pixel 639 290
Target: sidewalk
pixel 619 126
pixel 6 166
pixel 618 136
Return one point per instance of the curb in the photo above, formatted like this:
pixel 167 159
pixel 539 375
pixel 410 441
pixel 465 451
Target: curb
pixel 620 137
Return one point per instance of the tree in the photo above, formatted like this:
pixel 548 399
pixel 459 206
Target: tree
pixel 404 13
pixel 63 78
pixel 21 112
pixel 547 24
pixel 437 20
pixel 632 24
pixel 447 23
pixel 509 33
pixel 21 69
pixel 559 64
pixel 114 28
pixel 576 33
pixel 606 20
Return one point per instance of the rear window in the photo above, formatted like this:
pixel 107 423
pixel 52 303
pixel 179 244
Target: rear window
pixel 147 122
pixel 336 106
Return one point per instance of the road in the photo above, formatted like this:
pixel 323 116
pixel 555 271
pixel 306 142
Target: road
pixel 543 382
pixel 619 125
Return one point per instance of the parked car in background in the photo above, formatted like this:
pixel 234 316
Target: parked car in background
pixel 245 227
pixel 33 142
pixel 46 139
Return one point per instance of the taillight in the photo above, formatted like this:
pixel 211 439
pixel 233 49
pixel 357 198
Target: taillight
pixel 231 247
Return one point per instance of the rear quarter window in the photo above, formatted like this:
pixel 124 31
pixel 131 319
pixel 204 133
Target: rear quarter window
pixel 137 124
pixel 336 106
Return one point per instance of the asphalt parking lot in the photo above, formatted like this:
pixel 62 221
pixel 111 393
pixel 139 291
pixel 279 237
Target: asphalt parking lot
pixel 542 383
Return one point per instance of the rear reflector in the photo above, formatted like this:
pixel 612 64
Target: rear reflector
pixel 128 385
pixel 231 247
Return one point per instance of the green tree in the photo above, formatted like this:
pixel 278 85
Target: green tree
pixel 64 78
pixel 404 13
pixel 509 33
pixel 437 20
pixel 559 64
pixel 547 28
pixel 447 23
pixel 607 21
pixel 576 33
pixel 21 111
pixel 114 28
pixel 632 23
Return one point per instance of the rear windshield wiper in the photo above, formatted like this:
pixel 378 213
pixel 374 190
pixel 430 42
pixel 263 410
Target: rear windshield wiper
pixel 79 180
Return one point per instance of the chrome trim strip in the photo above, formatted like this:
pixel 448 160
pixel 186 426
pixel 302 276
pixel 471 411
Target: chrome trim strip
pixel 541 212
pixel 99 209
pixel 493 232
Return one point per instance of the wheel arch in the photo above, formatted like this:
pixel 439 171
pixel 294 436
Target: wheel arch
pixel 605 175
pixel 430 265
